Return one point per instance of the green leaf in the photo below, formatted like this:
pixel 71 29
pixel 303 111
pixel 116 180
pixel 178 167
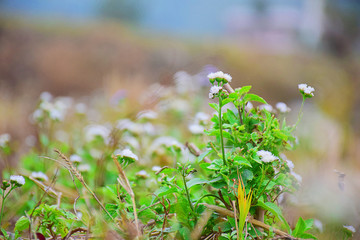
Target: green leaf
pixel 112 209
pixel 307 236
pixel 247 175
pixel 231 117
pixel 22 224
pixel 275 210
pixel 242 161
pixel 214 106
pixel 44 140
pixel 196 181
pixel 253 97
pixel 233 95
pixel 226 101
pixel 164 190
pixel 243 90
pixel 299 228
pixel 204 154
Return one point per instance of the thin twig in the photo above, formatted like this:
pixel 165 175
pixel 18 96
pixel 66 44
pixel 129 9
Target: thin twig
pixel 226 212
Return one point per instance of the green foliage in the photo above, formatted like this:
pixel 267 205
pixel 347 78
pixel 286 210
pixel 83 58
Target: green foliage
pixel 239 143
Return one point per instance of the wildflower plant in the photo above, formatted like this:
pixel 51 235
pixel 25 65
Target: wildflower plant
pixel 229 189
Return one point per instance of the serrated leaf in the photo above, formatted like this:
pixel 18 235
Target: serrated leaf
pixel 196 181
pixel 22 224
pixel 242 161
pixel 253 97
pixel 243 90
pixel 164 190
pixel 226 101
pixel 231 117
pixel 214 106
pixel 204 154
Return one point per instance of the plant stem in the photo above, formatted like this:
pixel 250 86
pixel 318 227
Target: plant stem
pixel 300 114
pixel 221 133
pixel 3 201
pixel 187 190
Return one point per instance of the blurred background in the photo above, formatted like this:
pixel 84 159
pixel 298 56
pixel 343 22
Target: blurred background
pixel 84 48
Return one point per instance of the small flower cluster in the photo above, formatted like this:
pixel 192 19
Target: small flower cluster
pixel 4 139
pixel 221 79
pixel 39 176
pixel 56 110
pixel 282 107
pixel 126 156
pixel 17 180
pixel 306 91
pixel 200 121
pixel 266 156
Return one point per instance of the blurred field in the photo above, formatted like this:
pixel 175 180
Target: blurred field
pixel 93 63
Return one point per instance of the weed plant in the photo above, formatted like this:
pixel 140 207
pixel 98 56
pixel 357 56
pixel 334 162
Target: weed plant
pixel 156 174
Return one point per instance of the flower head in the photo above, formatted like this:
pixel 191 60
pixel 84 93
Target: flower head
pixel 39 176
pixel 126 156
pixel 266 107
pixel 17 180
pixel 306 91
pixel 142 174
pixel 219 77
pixel 4 139
pixel 84 168
pixel 266 156
pixel 214 90
pixel 350 228
pixel 75 158
pixel 282 107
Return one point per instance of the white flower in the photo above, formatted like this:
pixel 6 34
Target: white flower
pixel 19 180
pixel 92 131
pixel 220 74
pixel 83 167
pixel 211 96
pixel 147 114
pixel 211 75
pixel 266 156
pixel 4 139
pixel 39 176
pixel 290 164
pixel 266 107
pixel 80 108
pixel 46 96
pixel 248 107
pixel 350 228
pixel 296 176
pixel 201 117
pixel 38 114
pixel 75 158
pixel 302 86
pixel 126 153
pixel 307 90
pixel 142 174
pixel 215 89
pixel 282 107
pixel 164 141
pixel 56 114
pixel 155 168
pixel 318 224
pixel 196 128
pixel 227 77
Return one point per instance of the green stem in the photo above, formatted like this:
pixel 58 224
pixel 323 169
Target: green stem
pixel 221 132
pixel 3 201
pixel 300 114
pixel 187 190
